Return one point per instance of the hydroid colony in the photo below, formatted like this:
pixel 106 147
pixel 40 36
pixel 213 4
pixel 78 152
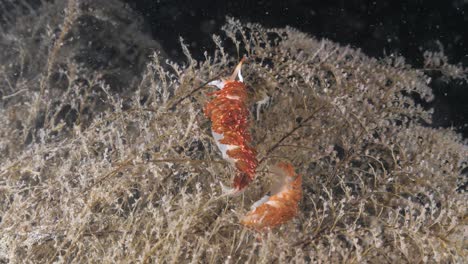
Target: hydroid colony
pixel 92 173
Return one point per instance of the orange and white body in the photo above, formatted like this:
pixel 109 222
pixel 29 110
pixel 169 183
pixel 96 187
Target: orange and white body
pixel 282 206
pixel 229 115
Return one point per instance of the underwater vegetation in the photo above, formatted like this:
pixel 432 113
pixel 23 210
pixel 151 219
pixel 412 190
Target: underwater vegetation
pixel 106 155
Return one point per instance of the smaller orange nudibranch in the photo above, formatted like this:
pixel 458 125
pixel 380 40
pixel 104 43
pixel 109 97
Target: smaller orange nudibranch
pixel 282 206
pixel 229 115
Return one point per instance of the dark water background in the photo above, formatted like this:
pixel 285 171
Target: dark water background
pixel 406 28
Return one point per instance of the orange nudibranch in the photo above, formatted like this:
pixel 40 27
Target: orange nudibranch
pixel 229 115
pixel 282 206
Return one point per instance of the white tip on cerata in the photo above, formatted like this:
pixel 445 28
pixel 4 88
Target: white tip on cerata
pixel 262 200
pixel 218 83
pixel 239 75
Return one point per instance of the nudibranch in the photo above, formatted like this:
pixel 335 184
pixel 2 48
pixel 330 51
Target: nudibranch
pixel 229 115
pixel 282 206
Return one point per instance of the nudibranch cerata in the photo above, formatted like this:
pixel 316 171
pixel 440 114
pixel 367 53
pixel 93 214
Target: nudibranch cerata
pixel 282 206
pixel 230 127
pixel 229 115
